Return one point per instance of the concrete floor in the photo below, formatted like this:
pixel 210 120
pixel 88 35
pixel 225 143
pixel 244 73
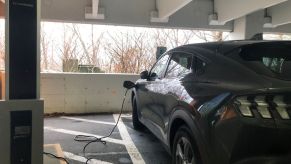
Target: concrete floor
pixel 124 146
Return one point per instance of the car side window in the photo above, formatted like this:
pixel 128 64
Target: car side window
pixel 180 65
pixel 160 67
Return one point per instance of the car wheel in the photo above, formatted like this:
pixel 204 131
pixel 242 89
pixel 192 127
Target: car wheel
pixel 137 125
pixel 183 147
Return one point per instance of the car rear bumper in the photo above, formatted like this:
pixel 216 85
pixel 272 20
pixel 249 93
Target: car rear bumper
pixel 247 141
pixel 266 160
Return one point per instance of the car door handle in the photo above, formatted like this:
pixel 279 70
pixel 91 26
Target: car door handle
pixel 206 82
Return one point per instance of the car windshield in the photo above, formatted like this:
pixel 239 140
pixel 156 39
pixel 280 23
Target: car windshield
pixel 272 60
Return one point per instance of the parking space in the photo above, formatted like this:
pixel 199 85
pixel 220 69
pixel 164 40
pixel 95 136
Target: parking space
pixel 125 145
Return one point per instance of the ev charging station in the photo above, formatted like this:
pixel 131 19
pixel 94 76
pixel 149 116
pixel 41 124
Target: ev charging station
pixel 21 113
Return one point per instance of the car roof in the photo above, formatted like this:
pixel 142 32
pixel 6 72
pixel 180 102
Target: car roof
pixel 226 46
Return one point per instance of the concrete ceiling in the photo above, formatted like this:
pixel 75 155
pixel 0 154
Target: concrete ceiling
pixel 228 10
pixel 150 13
pixel 194 14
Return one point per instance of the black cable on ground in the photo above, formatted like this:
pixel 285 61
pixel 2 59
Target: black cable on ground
pixel 93 139
pixel 54 156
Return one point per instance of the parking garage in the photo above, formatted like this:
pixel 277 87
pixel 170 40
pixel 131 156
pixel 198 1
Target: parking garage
pixel 43 111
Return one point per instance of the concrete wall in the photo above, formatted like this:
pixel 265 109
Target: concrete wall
pixel 84 93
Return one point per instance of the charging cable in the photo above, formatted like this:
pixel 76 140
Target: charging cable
pixel 54 156
pixel 92 139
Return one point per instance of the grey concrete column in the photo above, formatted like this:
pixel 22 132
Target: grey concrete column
pixel 21 113
pixel 247 26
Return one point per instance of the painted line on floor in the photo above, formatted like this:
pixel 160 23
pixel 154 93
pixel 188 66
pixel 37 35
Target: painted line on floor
pixel 127 116
pixel 78 158
pixel 87 120
pixel 130 146
pixel 107 153
pixel 72 132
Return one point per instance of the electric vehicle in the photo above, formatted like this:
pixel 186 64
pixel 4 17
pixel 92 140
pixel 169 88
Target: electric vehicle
pixel 219 102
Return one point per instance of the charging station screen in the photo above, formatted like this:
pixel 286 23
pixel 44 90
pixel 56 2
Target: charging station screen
pixel 22 49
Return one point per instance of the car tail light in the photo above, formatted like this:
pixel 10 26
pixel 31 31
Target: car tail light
pixel 244 106
pixel 281 107
pixel 265 106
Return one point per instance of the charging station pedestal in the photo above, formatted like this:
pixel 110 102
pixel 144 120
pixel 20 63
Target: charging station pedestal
pixel 21 129
pixel 21 113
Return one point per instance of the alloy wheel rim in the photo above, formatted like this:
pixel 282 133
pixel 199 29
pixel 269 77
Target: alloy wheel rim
pixel 184 152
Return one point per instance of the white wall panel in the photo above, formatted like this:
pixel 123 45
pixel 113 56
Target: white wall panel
pixel 54 103
pixel 55 86
pixel 75 103
pixel 84 93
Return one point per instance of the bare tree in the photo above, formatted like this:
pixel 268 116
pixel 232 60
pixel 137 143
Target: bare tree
pixel 145 55
pixel 68 51
pixel 119 50
pixel 44 47
pixel 95 48
pixel 172 37
pixel 90 47
pixel 78 35
pixel 278 36
pixel 129 52
pixel 210 36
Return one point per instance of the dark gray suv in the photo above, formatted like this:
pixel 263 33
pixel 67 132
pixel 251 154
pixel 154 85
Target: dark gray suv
pixel 219 103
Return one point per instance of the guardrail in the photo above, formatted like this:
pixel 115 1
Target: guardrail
pixel 84 93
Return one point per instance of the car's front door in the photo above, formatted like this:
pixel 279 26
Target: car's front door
pixel 146 90
pixel 168 90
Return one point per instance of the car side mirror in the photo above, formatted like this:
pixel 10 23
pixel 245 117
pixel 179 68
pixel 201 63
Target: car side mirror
pixel 128 84
pixel 153 74
pixel 144 75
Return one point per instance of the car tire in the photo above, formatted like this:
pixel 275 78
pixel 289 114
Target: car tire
pixel 137 125
pixel 184 148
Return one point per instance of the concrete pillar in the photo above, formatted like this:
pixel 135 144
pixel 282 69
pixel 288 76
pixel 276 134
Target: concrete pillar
pixel 21 114
pixel 246 27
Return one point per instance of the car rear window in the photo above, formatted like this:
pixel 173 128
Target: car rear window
pixel 269 59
